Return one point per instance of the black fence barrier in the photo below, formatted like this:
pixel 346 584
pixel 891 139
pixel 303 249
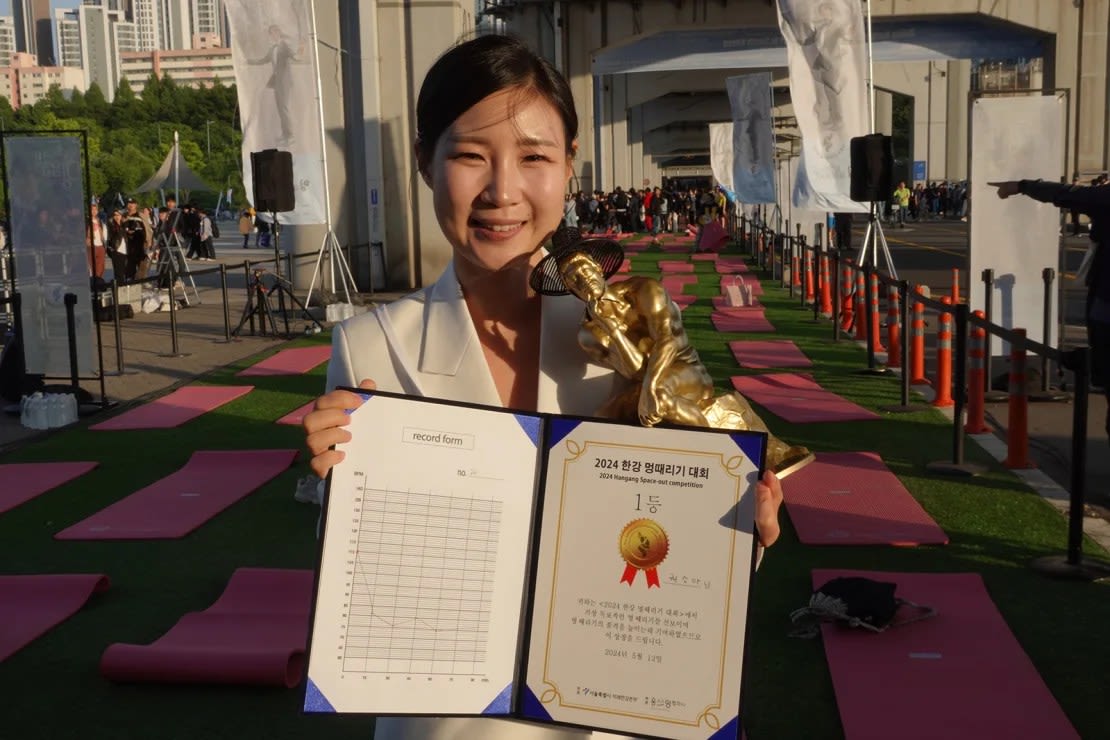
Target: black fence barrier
pixel 1073 564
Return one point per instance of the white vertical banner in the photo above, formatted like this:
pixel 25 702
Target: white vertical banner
pixel 753 137
pixel 826 51
pixel 275 74
pixel 1015 138
pixel 44 176
pixel 720 153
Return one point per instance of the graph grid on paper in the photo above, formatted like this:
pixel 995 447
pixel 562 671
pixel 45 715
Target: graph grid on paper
pixel 422 584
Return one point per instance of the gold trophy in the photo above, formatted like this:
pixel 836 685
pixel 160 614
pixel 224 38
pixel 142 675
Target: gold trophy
pixel 636 329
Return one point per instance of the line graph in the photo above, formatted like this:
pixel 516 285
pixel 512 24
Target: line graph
pixel 422 584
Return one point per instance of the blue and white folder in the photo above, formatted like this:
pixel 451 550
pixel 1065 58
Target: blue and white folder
pixel 482 562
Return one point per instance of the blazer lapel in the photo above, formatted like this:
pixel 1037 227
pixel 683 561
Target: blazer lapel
pixel 452 364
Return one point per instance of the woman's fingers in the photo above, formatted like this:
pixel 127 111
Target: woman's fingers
pixel 324 426
pixel 768 501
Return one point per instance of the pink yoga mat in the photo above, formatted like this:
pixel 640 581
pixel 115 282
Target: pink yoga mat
pixel 681 246
pixel 668 266
pixel 636 246
pixel 719 304
pixel 677 283
pixel 254 634
pixel 21 482
pixel 852 498
pixel 682 300
pixel 626 266
pixel 290 361
pixel 728 268
pixel 175 409
pixel 172 507
pixel 296 416
pixel 797 398
pixel 704 257
pixel 31 605
pixel 768 353
pixel 752 321
pixel 961 675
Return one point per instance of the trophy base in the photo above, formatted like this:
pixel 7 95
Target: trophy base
pixel 794 463
pixel 732 411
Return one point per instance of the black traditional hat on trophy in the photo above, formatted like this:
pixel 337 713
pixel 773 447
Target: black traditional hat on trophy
pixel 547 278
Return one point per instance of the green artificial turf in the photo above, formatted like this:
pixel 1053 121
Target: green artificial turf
pixel 52 688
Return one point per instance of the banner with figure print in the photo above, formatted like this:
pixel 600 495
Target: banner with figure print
pixel 753 138
pixel 275 74
pixel 720 153
pixel 826 52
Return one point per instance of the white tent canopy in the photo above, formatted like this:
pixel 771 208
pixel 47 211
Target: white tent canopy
pixel 966 36
pixel 174 174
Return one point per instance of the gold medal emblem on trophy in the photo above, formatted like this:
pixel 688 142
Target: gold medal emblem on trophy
pixel 634 328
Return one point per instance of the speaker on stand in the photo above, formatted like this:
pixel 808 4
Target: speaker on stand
pixel 872 181
pixel 272 172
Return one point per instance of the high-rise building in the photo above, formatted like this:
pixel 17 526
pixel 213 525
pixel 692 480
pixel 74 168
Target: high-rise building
pixel 177 24
pixel 7 40
pixel 67 26
pixel 102 32
pixel 207 16
pixel 33 32
pixel 147 16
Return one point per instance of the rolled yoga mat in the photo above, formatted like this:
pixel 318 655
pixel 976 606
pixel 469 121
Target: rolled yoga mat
pixel 254 634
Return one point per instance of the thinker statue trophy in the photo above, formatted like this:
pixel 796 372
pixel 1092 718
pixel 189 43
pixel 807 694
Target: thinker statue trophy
pixel 636 329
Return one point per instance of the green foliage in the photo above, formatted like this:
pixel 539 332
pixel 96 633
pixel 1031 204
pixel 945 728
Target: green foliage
pixel 129 137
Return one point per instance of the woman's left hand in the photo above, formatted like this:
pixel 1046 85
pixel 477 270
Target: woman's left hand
pixel 768 501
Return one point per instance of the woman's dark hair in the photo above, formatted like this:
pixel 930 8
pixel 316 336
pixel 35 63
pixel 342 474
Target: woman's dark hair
pixel 475 69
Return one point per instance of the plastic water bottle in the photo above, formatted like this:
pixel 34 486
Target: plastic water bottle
pixel 72 412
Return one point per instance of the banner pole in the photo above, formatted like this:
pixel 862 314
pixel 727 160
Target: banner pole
pixel 870 72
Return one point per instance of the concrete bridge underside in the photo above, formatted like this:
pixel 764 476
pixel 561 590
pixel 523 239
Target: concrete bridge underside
pixel 648 75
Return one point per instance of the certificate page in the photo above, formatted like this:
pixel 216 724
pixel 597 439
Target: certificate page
pixel 641 591
pixel 419 603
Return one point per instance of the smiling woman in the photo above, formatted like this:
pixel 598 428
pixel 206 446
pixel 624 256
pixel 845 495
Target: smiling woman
pixel 496 128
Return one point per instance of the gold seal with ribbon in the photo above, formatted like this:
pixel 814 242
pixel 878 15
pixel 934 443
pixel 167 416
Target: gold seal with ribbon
pixel 643 546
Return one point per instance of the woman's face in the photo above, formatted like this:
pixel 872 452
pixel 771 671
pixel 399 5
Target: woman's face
pixel 498 175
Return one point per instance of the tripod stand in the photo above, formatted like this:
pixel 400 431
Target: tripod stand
pixel 259 296
pixel 170 252
pixel 874 239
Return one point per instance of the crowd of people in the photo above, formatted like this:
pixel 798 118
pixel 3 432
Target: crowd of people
pixel 650 209
pixel 132 238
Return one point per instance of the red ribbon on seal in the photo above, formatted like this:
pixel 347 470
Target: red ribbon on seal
pixel 651 574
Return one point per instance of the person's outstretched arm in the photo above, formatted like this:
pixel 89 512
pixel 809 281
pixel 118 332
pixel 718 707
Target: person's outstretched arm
pixel 1084 199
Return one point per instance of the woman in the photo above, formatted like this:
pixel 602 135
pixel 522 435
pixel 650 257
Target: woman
pixel 117 246
pixel 496 129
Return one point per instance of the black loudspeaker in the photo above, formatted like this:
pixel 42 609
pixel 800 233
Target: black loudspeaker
pixel 872 168
pixel 273 181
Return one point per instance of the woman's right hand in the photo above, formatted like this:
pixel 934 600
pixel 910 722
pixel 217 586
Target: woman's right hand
pixel 324 426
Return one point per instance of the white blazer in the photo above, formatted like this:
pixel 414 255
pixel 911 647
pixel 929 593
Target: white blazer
pixel 426 345
pixel 434 351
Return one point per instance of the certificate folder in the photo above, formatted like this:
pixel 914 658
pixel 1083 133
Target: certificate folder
pixel 477 561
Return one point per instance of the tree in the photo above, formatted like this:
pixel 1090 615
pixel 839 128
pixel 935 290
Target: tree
pixel 96 103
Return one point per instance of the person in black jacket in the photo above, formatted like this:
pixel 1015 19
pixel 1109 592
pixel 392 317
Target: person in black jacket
pixel 1094 202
